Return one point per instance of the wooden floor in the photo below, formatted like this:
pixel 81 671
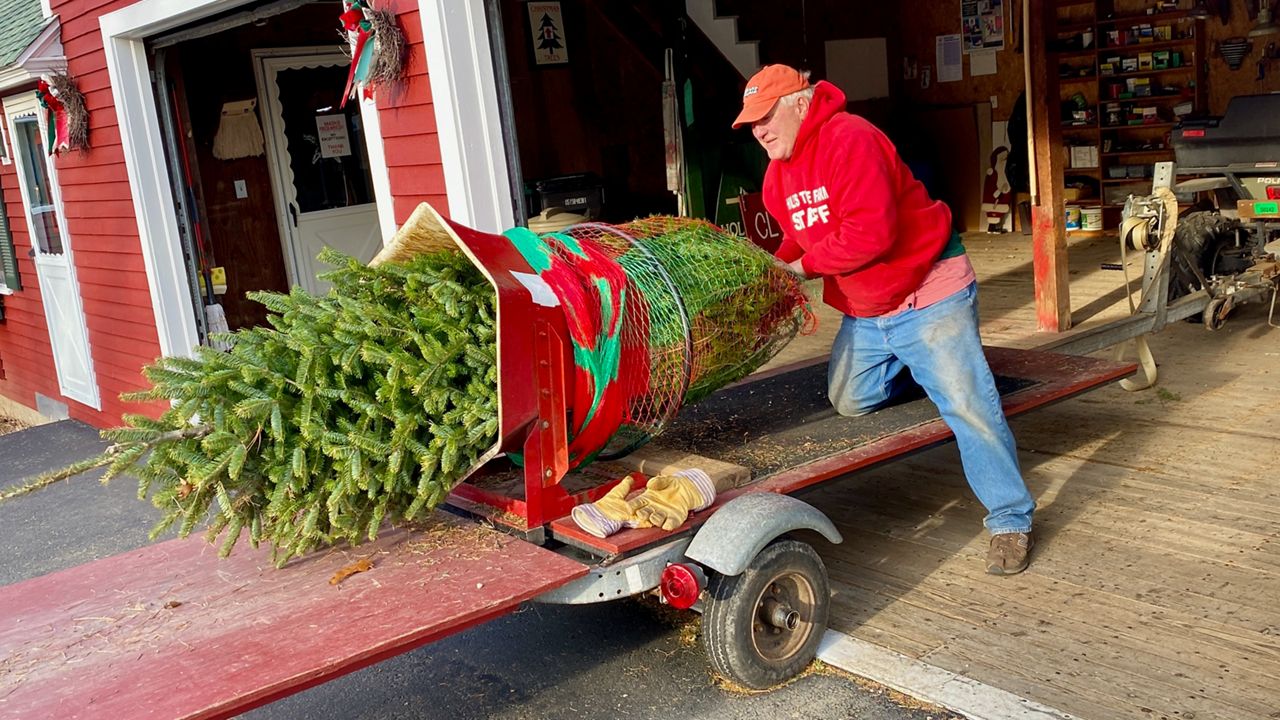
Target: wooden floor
pixel 1155 587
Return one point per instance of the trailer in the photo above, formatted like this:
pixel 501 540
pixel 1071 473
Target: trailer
pixel 135 635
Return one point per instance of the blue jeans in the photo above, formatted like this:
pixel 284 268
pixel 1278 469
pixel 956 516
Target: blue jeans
pixel 873 360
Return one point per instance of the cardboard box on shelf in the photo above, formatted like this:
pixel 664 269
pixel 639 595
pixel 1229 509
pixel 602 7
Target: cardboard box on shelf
pixel 1084 156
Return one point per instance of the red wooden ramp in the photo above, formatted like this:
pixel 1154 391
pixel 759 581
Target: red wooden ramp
pixel 172 631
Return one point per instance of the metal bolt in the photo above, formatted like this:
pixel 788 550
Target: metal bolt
pixel 545 424
pixel 547 472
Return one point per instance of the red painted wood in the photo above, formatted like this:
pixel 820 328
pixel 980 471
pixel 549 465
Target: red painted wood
pixel 1059 377
pixel 411 120
pixel 109 640
pixel 402 151
pixel 418 180
pixel 99 208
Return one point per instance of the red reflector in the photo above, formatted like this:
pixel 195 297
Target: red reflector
pixel 1273 192
pixel 1192 133
pixel 680 587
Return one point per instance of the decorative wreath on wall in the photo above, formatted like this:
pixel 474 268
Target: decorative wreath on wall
pixel 378 48
pixel 67 117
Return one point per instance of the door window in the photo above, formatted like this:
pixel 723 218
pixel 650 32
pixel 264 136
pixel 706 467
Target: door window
pixel 35 169
pixel 326 144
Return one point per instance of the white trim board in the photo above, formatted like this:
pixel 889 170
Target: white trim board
pixel 123 32
pixel 960 694
pixel 465 98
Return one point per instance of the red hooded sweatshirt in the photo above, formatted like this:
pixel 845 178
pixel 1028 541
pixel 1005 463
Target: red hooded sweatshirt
pixel 850 206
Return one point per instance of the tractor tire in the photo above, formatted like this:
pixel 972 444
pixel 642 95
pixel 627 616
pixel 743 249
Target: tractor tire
pixel 1198 242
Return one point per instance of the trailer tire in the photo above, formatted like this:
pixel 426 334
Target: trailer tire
pixel 762 627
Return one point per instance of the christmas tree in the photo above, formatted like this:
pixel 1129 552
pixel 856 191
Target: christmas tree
pixel 361 406
pixel 371 403
pixel 550 35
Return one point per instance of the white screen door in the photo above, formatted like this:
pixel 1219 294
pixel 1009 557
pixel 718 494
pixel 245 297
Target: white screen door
pixel 319 160
pixel 51 252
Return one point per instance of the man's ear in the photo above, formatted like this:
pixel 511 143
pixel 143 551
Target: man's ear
pixel 802 106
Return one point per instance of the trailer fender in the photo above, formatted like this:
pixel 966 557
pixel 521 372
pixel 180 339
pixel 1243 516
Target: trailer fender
pixel 739 530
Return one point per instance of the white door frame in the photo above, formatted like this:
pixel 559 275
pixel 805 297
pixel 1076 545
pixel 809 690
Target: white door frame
pixel 74 382
pixel 123 37
pixel 464 94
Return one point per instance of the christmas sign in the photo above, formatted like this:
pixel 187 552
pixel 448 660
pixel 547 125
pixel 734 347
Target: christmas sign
pixel 548 33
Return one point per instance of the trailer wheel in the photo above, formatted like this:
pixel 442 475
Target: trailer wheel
pixel 763 627
pixel 1215 313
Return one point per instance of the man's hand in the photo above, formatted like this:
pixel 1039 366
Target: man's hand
pixel 793 268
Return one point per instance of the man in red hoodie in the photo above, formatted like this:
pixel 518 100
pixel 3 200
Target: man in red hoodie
pixel 853 214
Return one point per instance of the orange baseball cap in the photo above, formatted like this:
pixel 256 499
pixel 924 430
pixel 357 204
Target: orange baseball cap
pixel 763 90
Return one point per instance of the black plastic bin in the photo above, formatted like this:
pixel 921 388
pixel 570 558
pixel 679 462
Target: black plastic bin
pixel 582 193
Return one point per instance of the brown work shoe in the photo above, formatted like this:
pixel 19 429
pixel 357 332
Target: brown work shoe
pixel 1009 553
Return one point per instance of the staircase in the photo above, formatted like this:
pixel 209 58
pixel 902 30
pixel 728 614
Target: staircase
pixel 722 31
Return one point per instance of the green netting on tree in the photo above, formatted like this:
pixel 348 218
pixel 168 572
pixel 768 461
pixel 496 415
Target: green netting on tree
pixel 707 309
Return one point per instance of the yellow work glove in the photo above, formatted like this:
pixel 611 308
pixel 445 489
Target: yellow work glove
pixel 607 515
pixel 668 499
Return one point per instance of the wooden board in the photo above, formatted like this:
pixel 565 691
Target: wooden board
pixel 1151 592
pixel 654 459
pixel 1051 377
pixel 171 631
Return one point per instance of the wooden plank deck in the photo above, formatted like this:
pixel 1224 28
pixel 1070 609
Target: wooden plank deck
pixel 171 631
pixel 1154 591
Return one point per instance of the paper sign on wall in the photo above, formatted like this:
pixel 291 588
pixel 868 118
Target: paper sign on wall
pixel 334 140
pixel 949 58
pixel 548 33
pixel 983 24
pixel 982 62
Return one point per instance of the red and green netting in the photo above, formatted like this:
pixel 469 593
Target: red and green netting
pixel 661 312
pixel 371 403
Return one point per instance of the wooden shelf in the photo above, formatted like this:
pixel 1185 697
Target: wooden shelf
pixel 1144 47
pixel 1108 206
pixel 1145 73
pixel 1127 153
pixel 1147 126
pixel 1145 99
pixel 1073 27
pixel 1187 80
pixel 1126 181
pixel 1144 18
